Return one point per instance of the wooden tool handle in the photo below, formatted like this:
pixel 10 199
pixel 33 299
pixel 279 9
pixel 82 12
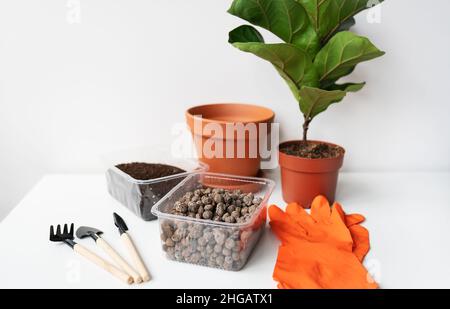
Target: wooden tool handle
pixel 103 264
pixel 118 259
pixel 137 260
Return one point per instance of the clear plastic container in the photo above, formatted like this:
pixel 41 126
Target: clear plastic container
pixel 141 195
pixel 207 242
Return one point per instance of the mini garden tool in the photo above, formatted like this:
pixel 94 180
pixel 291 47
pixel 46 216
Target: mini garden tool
pixel 137 260
pixel 66 236
pixel 86 231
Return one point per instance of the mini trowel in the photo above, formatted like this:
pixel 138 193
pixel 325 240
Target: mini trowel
pixel 95 234
pixel 137 260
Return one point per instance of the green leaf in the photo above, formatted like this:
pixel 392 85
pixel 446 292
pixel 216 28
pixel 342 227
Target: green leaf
pixel 327 83
pixel 245 33
pixel 292 86
pixel 328 16
pixel 314 101
pixel 287 19
pixel 346 25
pixel 312 8
pixel 343 10
pixel 319 13
pixel 293 64
pixel 342 53
pixel 348 87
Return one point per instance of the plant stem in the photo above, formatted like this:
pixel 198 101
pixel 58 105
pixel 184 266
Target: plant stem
pixel 305 130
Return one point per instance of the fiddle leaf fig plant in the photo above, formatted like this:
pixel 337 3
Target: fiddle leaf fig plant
pixel 317 50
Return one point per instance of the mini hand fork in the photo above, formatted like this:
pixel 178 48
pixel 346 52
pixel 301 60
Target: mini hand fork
pixel 67 237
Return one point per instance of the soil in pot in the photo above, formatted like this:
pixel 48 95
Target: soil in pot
pixel 151 193
pixel 312 150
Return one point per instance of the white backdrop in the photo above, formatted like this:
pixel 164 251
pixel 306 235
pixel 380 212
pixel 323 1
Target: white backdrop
pixel 123 73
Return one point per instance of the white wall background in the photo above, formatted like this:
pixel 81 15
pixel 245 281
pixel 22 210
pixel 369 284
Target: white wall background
pixel 124 74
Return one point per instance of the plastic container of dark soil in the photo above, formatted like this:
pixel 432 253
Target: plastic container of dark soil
pixel 127 183
pixel 206 242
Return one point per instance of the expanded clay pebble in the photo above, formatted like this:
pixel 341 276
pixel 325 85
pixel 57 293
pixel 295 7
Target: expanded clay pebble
pixel 217 204
pixel 207 214
pixel 214 246
pixel 229 244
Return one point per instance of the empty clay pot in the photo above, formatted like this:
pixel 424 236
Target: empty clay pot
pixel 303 179
pixel 204 118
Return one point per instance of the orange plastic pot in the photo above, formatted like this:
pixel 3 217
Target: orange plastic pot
pixel 303 179
pixel 234 153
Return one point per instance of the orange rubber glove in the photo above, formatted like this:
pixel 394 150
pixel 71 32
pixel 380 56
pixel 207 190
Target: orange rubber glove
pixel 318 250
pixel 360 235
pixel 323 218
pixel 319 266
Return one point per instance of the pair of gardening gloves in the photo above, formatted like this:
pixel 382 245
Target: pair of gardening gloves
pixel 324 249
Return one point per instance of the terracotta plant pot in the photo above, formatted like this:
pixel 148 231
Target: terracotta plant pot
pixel 202 118
pixel 303 179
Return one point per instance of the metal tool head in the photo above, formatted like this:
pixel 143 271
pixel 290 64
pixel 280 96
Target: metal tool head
pixel 120 223
pixel 87 231
pixel 66 235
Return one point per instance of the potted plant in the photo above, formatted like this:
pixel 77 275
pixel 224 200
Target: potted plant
pixel 318 50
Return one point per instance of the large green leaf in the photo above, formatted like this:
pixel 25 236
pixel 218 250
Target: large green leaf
pixel 319 13
pixel 245 33
pixel 344 9
pixel 328 16
pixel 342 53
pixel 347 87
pixel 292 86
pixel 314 101
pixel 294 64
pixel 285 18
pixel 306 26
pixel 312 7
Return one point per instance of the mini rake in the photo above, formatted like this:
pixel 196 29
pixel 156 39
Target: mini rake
pixel 66 236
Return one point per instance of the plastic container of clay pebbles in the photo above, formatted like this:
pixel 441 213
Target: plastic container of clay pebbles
pixel 217 241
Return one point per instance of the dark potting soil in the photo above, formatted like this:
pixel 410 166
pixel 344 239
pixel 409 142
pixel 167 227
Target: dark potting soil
pixel 147 171
pixel 312 150
pixel 151 193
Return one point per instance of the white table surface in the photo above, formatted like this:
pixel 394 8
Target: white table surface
pixel 408 216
